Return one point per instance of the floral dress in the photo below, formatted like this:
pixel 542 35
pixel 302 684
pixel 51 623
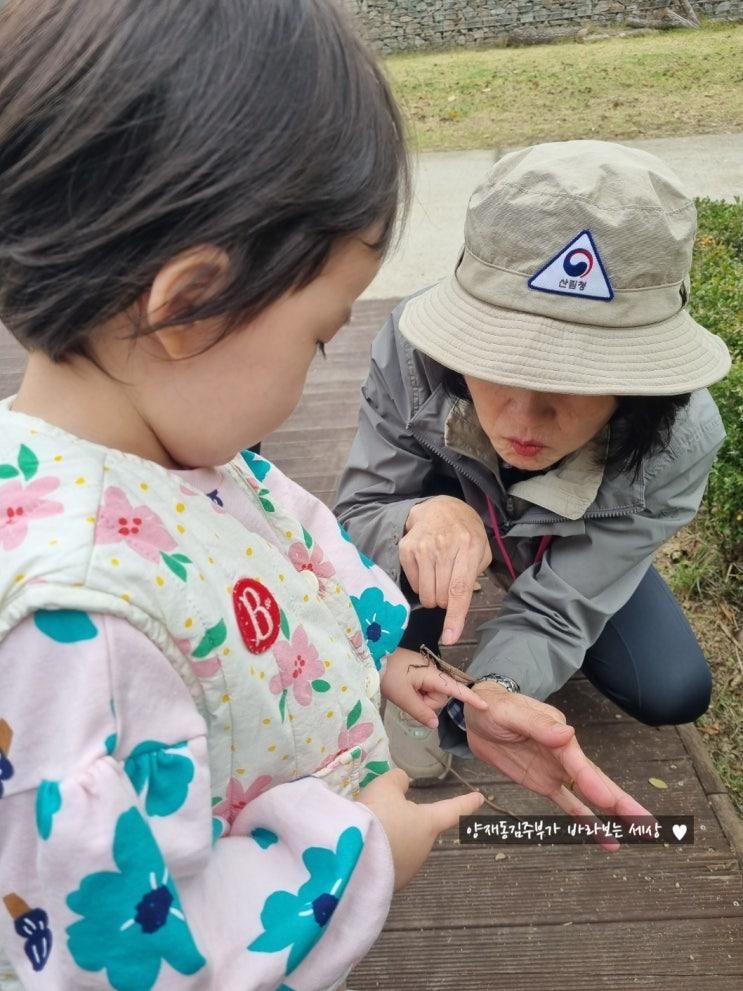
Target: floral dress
pixel 190 668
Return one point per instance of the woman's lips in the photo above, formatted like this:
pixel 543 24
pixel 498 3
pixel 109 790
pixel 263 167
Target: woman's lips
pixel 525 448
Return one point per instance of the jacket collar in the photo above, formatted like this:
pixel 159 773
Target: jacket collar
pixel 567 490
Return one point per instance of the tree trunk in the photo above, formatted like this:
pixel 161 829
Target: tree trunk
pixel 677 20
pixel 689 11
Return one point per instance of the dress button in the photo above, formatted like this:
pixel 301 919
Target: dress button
pixel 311 579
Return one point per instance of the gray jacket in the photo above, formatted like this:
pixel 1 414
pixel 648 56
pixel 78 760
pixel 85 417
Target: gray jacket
pixel 414 441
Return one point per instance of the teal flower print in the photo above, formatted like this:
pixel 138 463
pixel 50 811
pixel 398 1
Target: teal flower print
pixel 366 561
pixel 298 921
pixel 65 625
pixel 381 622
pixel 132 919
pixel 48 804
pixel 164 773
pixel 264 837
pixel 259 466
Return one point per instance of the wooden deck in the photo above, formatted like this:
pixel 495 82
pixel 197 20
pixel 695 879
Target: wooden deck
pixel 552 918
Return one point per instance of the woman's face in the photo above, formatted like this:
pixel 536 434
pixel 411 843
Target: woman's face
pixel 534 430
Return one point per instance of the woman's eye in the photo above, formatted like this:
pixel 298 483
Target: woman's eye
pixel 321 348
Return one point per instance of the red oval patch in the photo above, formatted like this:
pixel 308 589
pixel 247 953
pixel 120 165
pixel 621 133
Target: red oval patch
pixel 257 615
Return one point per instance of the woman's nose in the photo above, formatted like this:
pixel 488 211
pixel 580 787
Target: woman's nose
pixel 531 405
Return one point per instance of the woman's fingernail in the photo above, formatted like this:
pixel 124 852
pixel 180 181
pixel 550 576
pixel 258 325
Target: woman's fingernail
pixel 448 636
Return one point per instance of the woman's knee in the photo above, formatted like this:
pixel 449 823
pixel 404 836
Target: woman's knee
pixel 679 700
pixel 651 658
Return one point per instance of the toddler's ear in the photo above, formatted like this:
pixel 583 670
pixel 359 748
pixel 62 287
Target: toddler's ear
pixel 185 281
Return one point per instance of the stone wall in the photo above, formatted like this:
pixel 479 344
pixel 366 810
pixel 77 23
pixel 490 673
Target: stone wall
pixel 408 25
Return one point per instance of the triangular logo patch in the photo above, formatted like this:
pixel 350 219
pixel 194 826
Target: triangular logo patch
pixel 576 270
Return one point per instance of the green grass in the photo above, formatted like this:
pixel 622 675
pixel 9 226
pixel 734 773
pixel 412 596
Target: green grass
pixel 717 302
pixel 705 570
pixel 679 82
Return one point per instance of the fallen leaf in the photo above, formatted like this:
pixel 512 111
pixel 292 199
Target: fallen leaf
pixel 657 783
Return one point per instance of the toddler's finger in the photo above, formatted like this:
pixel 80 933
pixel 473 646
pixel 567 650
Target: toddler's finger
pixel 434 682
pixel 466 694
pixel 445 814
pixel 420 709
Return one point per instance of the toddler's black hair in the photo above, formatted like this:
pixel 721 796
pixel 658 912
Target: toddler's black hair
pixel 132 130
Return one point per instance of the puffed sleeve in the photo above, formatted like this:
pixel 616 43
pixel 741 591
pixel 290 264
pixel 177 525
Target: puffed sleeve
pixel 111 873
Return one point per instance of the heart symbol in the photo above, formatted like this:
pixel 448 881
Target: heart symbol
pixel 679 831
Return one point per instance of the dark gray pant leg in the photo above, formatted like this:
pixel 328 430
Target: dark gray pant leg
pixel 648 661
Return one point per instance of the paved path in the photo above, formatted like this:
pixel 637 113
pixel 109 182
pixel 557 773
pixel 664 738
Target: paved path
pixel 709 166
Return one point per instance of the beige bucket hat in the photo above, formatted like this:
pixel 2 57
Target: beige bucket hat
pixel 573 279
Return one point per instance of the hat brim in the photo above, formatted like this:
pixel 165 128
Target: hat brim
pixel 520 349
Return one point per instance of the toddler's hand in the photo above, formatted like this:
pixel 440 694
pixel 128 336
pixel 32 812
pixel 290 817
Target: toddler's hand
pixel 420 689
pixel 412 829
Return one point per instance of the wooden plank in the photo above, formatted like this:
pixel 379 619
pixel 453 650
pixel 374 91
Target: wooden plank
pixel 730 821
pixel 332 458
pixel 521 893
pixel 706 772
pixel 280 449
pixel 581 703
pixel 577 957
pixel 299 434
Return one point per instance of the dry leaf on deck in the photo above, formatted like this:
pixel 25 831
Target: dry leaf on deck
pixel 658 783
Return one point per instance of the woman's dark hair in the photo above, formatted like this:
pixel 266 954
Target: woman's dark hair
pixel 132 130
pixel 641 425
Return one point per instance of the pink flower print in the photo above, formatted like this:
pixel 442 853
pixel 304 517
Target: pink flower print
pixel 238 797
pixel 19 504
pixel 206 668
pixel 299 666
pixel 348 739
pixel 304 560
pixel 202 669
pixel 137 526
pixel 357 642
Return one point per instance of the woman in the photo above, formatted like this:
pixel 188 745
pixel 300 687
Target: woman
pixel 544 411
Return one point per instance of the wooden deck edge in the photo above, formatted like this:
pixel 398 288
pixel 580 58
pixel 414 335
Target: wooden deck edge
pixel 730 823
pixel 713 787
pixel 711 781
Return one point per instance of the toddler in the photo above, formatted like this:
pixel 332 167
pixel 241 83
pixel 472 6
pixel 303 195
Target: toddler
pixel 195 783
